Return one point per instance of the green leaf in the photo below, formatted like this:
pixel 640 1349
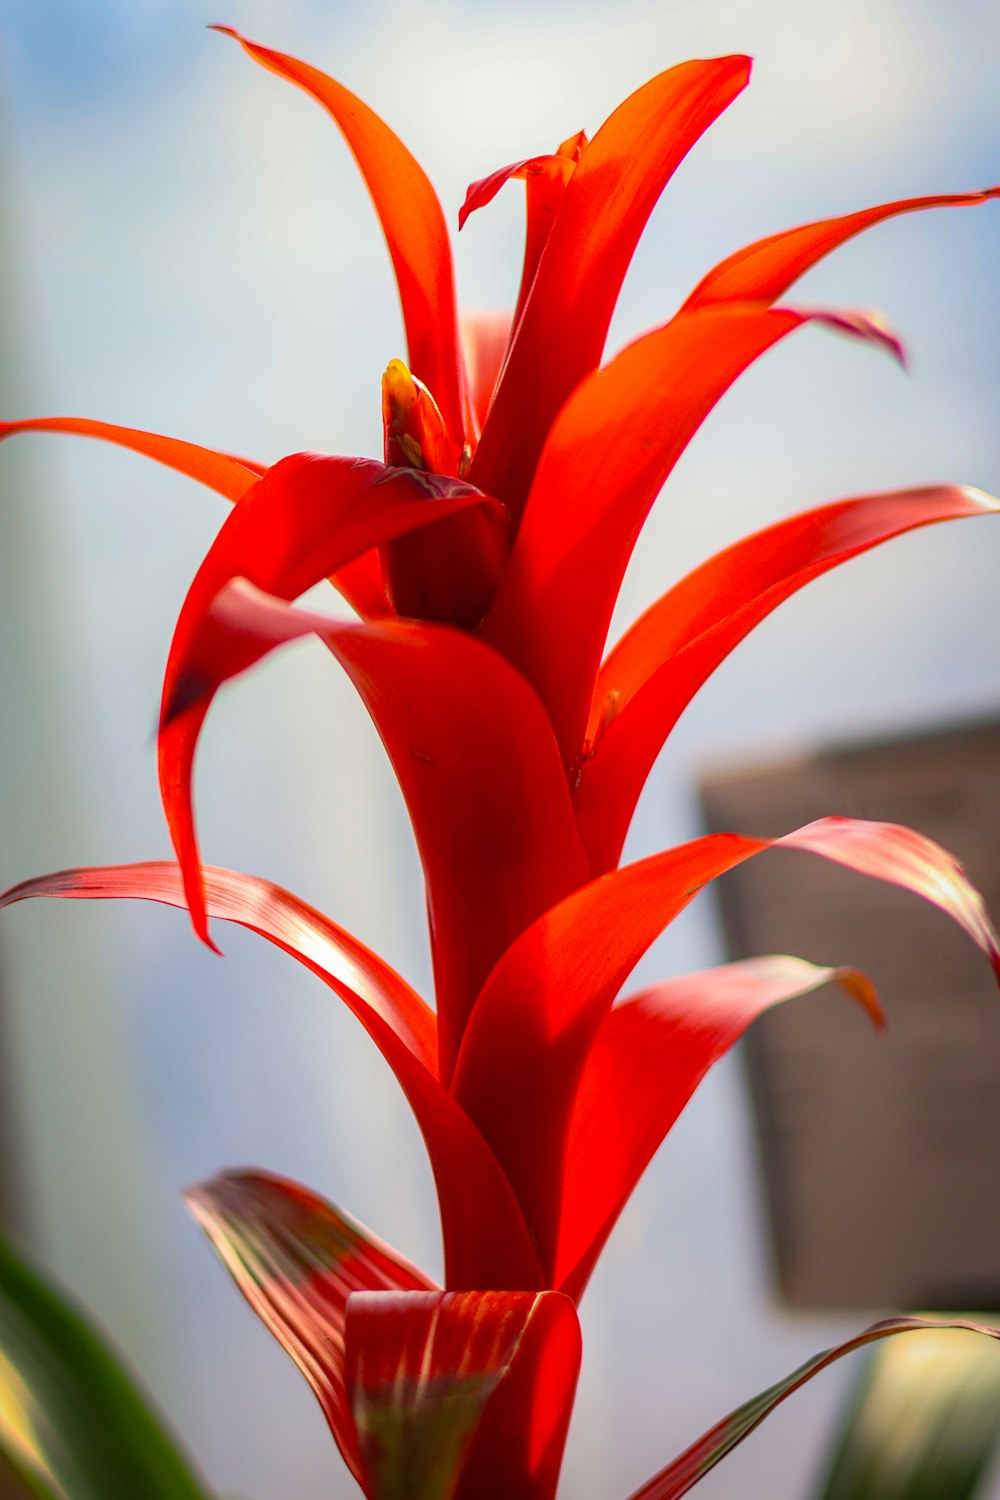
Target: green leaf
pixel 72 1424
pixel 685 1471
pixel 19 1479
pixel 923 1424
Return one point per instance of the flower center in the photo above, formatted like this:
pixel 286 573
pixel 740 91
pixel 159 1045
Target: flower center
pixel 415 433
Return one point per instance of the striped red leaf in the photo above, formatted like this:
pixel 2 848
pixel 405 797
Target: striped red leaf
pixel 462 1396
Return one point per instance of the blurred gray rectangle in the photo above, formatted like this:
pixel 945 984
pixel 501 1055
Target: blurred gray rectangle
pixel 880 1152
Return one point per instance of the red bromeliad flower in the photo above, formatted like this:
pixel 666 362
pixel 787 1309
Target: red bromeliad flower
pixel 484 557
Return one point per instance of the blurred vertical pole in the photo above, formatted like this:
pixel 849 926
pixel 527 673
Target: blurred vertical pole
pixel 71 1131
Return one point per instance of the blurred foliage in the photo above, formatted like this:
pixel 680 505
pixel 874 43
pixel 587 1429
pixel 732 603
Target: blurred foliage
pixel 73 1426
pixel 18 1482
pixel 924 1421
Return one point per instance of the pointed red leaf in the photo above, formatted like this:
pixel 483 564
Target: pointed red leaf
pixel 542 1006
pixel 224 472
pixel 475 759
pixel 485 1238
pixel 412 221
pixel 461 1396
pixel 602 213
pixel 663 659
pixel 546 179
pixel 648 1057
pixel 308 517
pixel 371 988
pixel 767 268
pixel 232 477
pixel 608 454
pixel 695 1462
pixel 544 194
pixel 484 339
pixel 297 1260
pixel 485 190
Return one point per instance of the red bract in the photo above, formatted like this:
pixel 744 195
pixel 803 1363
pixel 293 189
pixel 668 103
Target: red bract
pixel 484 556
pixel 429 1394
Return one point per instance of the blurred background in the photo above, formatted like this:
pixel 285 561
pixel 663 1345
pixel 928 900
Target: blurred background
pixel 188 248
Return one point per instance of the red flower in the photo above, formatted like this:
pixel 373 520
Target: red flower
pixel 484 557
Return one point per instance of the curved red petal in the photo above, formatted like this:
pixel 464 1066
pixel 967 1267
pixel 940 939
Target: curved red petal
pixel 229 475
pixel 308 517
pixel 485 1239
pixel 648 1057
pixel 484 339
pixel 659 664
pixel 611 194
pixel 518 1448
pixel 607 456
pixel 539 1011
pixel 544 193
pixel 360 583
pixel 297 1260
pixel 545 179
pixel 768 267
pixel 695 1462
pixel 369 986
pixel 476 761
pixel 412 221
pixel 485 190
pixel 223 472
pixel 461 1396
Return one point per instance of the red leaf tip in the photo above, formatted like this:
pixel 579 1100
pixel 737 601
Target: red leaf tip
pixel 867 324
pixel 989 504
pixel 740 62
pixel 197 1198
pixel 207 1194
pixel 194 892
pixel 199 922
